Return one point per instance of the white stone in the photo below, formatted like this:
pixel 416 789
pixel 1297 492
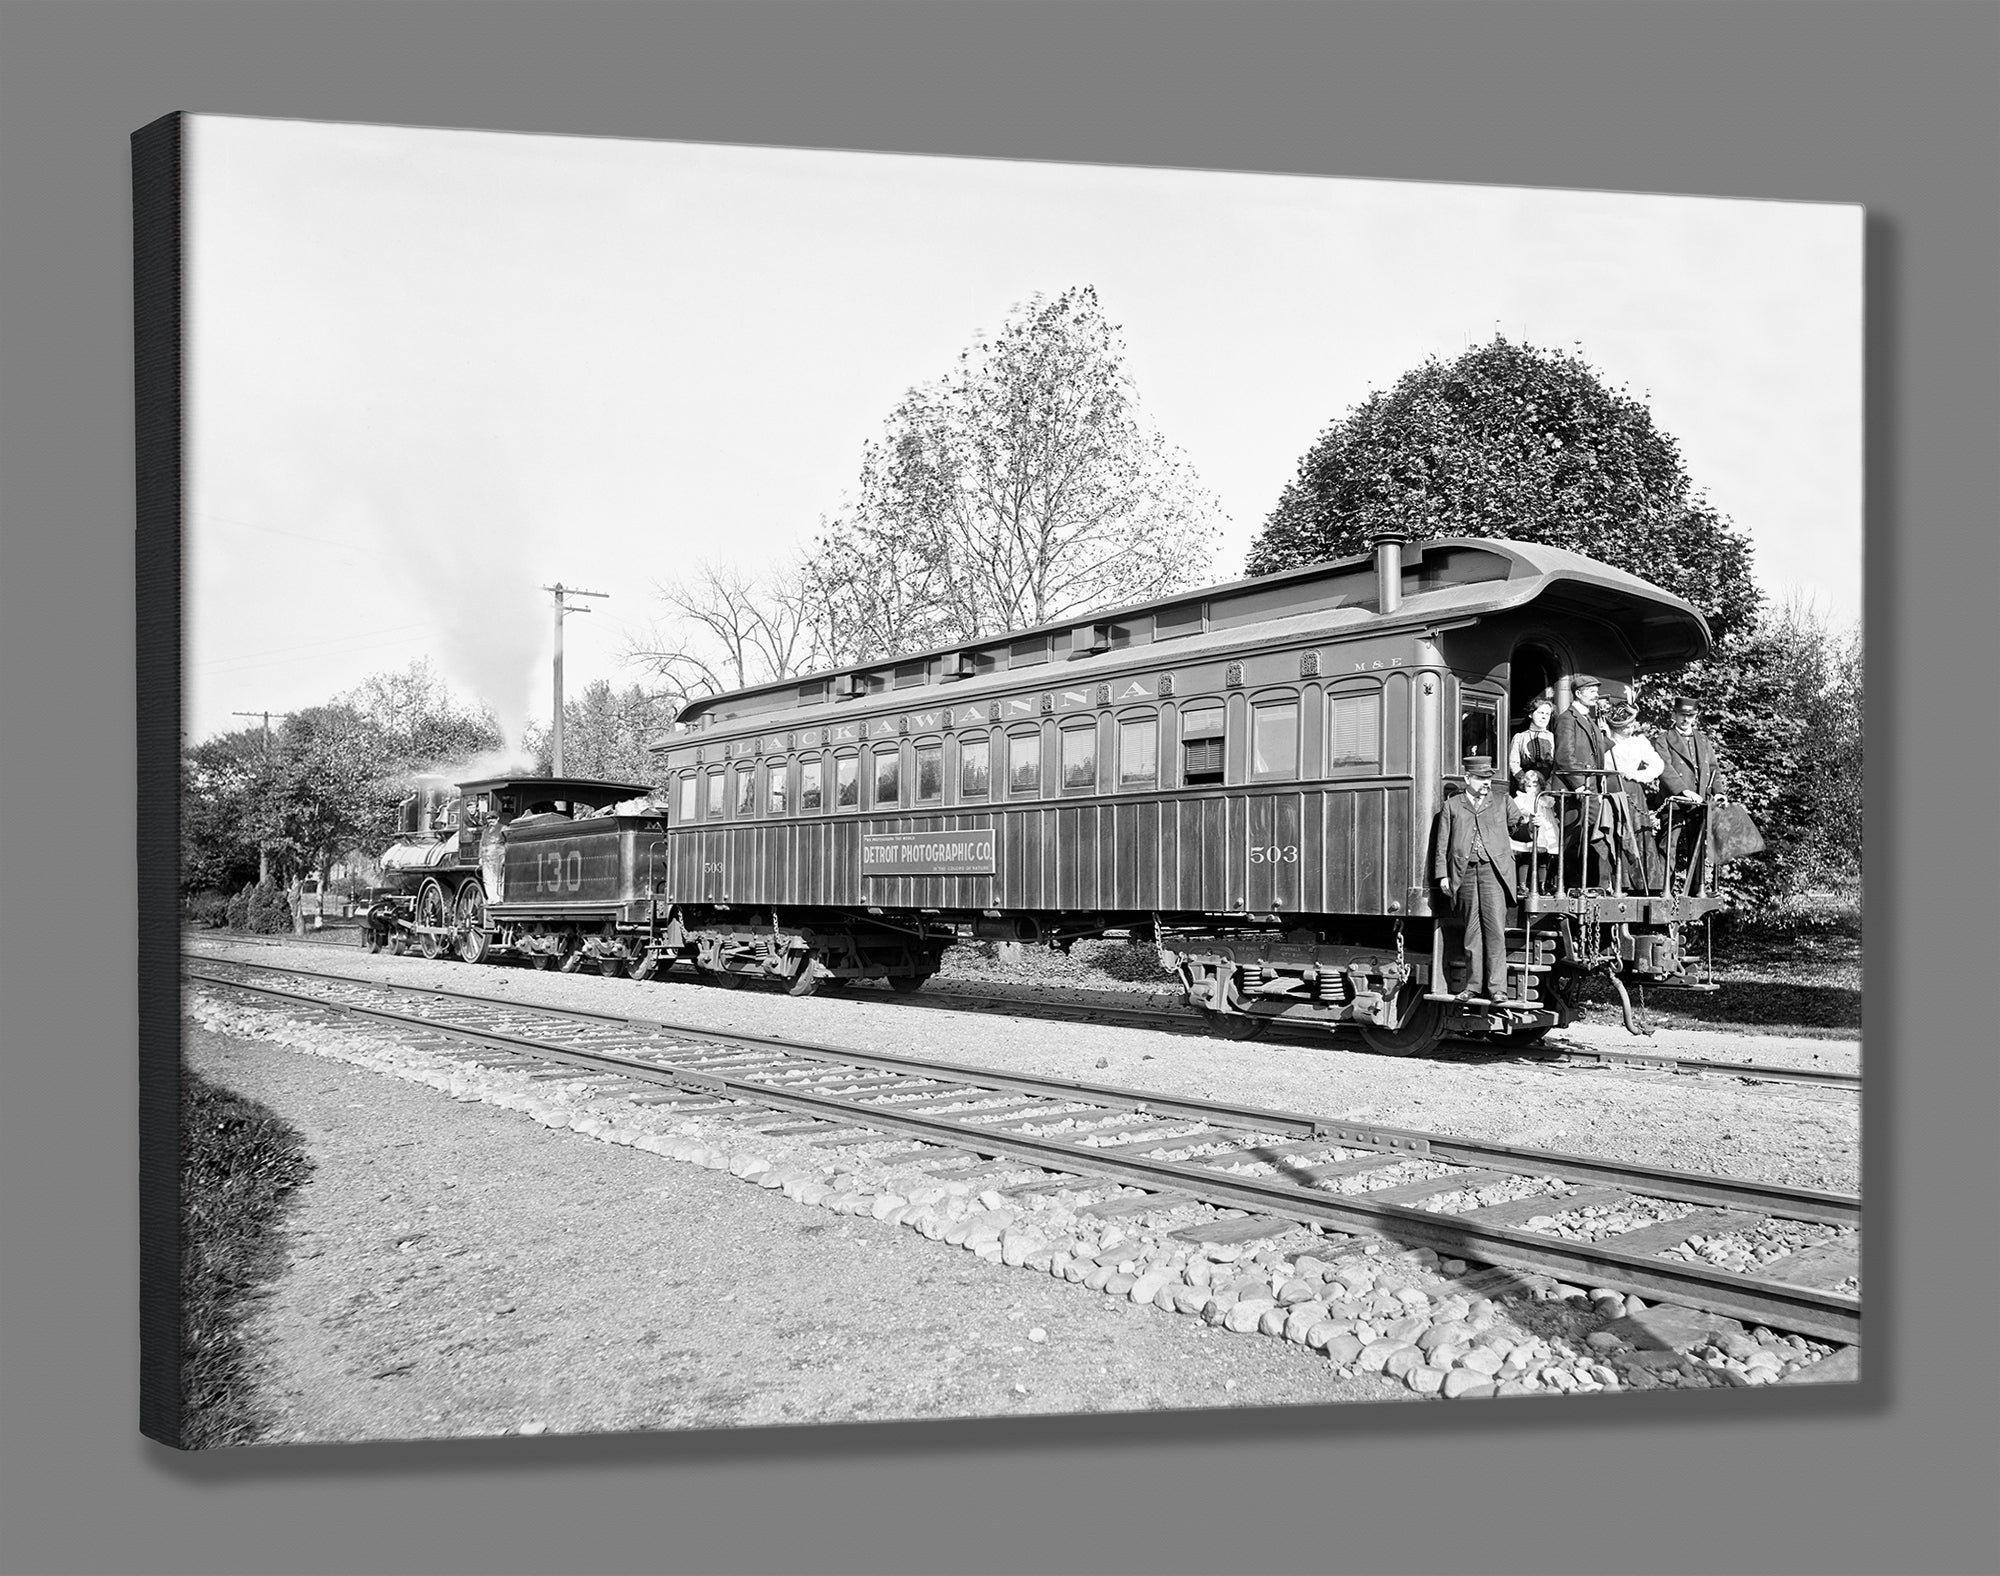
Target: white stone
pixel 1017 1247
pixel 1375 1354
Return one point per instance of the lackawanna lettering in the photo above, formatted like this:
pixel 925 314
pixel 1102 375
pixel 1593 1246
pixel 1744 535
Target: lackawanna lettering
pixel 928 853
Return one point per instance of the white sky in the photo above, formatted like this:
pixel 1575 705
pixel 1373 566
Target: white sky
pixel 431 371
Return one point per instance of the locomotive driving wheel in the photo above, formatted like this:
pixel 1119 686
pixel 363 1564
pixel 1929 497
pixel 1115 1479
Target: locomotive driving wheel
pixel 433 917
pixel 475 941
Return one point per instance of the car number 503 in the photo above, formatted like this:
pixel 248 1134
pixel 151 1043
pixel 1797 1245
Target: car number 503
pixel 1274 853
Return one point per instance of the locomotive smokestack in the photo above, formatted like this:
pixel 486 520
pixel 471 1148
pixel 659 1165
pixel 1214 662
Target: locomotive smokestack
pixel 1388 545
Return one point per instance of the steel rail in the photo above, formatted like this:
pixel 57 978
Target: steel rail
pixel 1307 1034
pixel 1285 1033
pixel 1820 1313
pixel 1692 1187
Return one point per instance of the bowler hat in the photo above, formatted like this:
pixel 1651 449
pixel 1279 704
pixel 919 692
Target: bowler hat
pixel 1686 708
pixel 1480 766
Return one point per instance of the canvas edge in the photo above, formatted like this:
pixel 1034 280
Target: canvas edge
pixel 157 342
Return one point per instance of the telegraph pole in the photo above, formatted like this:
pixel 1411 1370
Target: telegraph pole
pixel 561 590
pixel 263 851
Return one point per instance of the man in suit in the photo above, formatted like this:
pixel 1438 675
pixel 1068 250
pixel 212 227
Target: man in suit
pixel 1474 868
pixel 1581 747
pixel 1688 785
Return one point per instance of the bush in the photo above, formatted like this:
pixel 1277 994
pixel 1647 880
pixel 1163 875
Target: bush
pixel 270 912
pixel 239 1161
pixel 237 910
pixel 210 910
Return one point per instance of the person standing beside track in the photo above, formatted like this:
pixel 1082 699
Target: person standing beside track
pixel 1475 868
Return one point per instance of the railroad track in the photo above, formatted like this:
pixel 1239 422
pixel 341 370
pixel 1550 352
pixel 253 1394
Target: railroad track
pixel 1145 1152
pixel 1177 1021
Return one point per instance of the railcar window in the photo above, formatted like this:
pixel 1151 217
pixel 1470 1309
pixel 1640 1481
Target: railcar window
pixel 779 782
pixel 1201 745
pixel 1024 763
pixel 811 793
pixel 687 798
pixel 746 792
pixel 1274 740
pixel 930 773
pixel 974 768
pixel 1138 752
pixel 1354 731
pixel 1479 729
pixel 910 674
pixel 1079 759
pixel 847 782
pixel 888 775
pixel 715 793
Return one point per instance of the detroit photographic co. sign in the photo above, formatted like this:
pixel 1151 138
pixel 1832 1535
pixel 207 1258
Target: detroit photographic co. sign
pixel 927 853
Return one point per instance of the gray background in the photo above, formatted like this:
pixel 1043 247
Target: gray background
pixel 1887 105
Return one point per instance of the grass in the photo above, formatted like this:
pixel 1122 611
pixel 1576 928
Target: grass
pixel 239 1161
pixel 1774 978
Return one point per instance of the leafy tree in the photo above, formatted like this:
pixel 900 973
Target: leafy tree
pixel 606 731
pixel 327 781
pixel 1522 443
pixel 1024 486
pixel 327 791
pixel 1784 707
pixel 222 780
pixel 416 724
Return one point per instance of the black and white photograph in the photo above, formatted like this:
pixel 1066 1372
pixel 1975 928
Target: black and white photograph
pixel 823 787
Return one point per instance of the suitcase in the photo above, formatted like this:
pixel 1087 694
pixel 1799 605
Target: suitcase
pixel 1735 834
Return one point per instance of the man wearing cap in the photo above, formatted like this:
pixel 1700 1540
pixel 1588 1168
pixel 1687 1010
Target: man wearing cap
pixel 1581 747
pixel 1474 868
pixel 1690 779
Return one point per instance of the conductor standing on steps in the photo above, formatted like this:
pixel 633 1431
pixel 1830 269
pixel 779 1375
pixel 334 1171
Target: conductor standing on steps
pixel 1474 867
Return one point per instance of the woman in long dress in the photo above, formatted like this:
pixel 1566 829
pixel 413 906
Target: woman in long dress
pixel 1639 766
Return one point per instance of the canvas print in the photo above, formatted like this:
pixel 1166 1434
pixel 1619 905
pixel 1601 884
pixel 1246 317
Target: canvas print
pixel 816 787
